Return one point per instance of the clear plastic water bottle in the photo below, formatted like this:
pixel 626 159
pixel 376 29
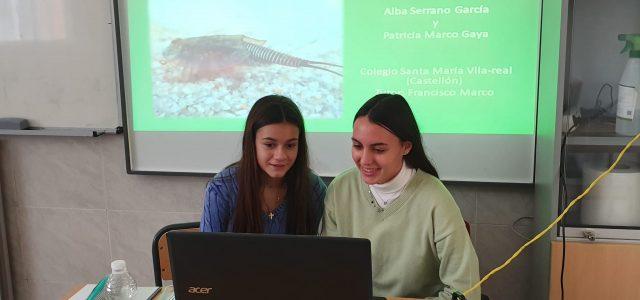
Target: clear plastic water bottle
pixel 120 285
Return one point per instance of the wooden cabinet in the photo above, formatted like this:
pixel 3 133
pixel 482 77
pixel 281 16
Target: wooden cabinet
pixel 596 271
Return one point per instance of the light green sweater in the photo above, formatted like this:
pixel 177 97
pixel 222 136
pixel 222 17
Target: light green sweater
pixel 419 243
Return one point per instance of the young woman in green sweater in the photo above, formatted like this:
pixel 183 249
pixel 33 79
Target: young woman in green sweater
pixel 393 197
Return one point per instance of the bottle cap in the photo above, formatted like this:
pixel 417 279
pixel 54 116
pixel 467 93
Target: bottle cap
pixel 118 266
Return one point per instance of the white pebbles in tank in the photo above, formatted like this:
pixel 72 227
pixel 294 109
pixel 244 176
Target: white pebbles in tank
pixel 317 93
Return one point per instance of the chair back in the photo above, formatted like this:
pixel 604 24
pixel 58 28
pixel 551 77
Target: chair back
pixel 160 251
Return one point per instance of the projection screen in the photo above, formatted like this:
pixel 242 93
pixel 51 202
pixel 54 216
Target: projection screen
pixel 191 69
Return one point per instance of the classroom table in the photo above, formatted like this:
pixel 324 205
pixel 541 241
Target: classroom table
pixel 166 293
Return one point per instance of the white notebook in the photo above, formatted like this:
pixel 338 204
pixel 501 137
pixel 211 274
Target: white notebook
pixel 143 293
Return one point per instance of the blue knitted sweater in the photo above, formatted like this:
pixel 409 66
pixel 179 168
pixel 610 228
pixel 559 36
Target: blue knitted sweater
pixel 220 199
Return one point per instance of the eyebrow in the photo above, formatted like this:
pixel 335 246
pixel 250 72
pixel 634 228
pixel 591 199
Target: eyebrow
pixel 274 140
pixel 372 145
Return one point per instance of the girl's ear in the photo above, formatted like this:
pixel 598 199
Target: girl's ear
pixel 406 147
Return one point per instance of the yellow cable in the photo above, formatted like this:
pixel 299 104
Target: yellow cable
pixel 542 233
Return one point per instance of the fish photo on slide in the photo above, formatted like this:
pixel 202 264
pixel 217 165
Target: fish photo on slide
pixel 211 57
pixel 217 66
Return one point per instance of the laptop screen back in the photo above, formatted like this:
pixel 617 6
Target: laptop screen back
pixel 260 266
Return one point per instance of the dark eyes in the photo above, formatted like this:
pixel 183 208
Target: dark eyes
pixel 273 145
pixel 376 150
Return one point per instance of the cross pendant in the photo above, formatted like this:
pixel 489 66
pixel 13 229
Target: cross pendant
pixel 270 216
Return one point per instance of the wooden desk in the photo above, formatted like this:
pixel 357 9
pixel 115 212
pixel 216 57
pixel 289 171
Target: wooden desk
pixel 596 271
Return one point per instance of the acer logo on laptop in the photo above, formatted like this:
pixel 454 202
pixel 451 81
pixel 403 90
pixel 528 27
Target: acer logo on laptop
pixel 199 290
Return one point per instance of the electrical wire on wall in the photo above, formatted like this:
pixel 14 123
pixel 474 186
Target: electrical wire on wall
pixel 586 116
pixel 563 200
pixel 591 114
pixel 557 220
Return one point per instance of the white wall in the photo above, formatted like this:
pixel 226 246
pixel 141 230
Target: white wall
pixel 71 209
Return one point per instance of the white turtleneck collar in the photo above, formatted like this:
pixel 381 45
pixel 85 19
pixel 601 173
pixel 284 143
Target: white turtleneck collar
pixel 385 193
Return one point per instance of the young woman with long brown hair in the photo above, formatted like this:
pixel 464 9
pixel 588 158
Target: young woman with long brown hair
pixel 393 197
pixel 271 188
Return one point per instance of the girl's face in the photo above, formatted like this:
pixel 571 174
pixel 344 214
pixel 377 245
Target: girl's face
pixel 277 148
pixel 377 152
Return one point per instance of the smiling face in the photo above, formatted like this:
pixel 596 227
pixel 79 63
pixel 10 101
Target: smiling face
pixel 377 152
pixel 277 148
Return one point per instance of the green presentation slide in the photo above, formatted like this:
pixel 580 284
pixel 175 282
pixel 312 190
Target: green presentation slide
pixel 466 67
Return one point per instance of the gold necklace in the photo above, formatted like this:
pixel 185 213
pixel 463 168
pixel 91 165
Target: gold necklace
pixel 270 212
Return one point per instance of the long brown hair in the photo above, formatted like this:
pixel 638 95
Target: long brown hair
pixel 268 110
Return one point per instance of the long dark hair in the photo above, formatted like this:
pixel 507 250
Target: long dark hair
pixel 268 110
pixel 394 114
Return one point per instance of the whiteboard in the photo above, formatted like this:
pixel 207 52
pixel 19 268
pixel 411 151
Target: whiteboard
pixel 58 65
